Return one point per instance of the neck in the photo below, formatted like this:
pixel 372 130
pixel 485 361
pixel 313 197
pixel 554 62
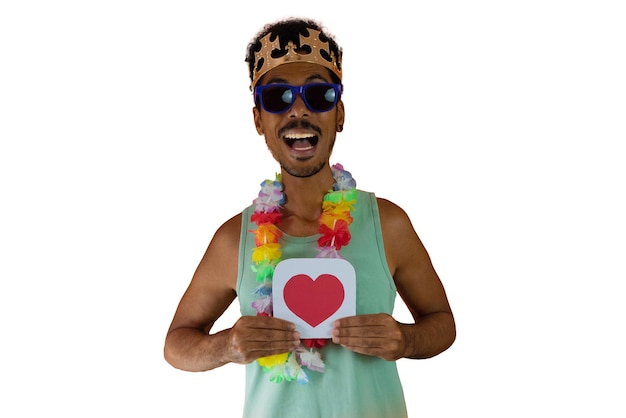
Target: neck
pixel 304 197
pixel 304 194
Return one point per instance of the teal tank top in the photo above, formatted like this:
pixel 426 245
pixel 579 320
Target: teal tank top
pixel 352 385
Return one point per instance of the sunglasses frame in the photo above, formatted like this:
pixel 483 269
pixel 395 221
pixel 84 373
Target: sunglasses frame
pixel 295 91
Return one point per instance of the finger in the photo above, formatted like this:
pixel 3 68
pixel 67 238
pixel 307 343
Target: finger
pixel 362 320
pixel 254 337
pixel 252 330
pixel 246 348
pixel 266 322
pixel 269 335
pixel 375 331
pixel 270 348
pixel 361 342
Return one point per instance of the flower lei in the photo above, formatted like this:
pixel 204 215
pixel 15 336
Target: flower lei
pixel 334 222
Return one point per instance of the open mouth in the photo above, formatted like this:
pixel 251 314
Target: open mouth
pixel 301 142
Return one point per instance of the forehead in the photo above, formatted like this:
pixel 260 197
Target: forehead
pixel 296 73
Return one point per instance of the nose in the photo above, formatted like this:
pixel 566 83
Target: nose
pixel 298 108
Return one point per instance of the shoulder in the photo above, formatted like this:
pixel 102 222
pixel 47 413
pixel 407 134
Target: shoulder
pixel 220 261
pixel 392 216
pixel 231 229
pixel 227 236
pixel 402 244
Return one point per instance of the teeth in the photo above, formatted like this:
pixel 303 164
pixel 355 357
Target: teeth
pixel 301 142
pixel 299 136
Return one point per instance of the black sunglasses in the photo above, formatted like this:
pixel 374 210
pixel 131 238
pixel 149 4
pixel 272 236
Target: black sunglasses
pixel 278 98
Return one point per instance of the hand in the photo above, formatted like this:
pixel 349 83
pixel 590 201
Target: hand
pixel 373 335
pixel 258 336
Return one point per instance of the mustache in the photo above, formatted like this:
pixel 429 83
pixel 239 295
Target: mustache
pixel 302 124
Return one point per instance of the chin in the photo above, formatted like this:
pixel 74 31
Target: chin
pixel 303 172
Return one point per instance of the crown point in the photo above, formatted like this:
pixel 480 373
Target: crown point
pixel 312 49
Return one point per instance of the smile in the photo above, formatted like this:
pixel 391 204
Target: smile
pixel 301 142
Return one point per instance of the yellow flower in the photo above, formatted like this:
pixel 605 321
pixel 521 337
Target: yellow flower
pixel 271 361
pixel 266 252
pixel 338 207
pixel 329 219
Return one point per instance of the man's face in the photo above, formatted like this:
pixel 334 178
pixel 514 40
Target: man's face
pixel 300 140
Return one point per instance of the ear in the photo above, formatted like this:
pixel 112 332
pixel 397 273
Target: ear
pixel 341 115
pixel 257 120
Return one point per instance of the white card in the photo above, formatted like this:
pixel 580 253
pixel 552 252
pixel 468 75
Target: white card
pixel 313 293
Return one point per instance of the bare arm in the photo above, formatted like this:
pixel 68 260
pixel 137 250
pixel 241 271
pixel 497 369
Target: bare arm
pixel 189 344
pixel 419 286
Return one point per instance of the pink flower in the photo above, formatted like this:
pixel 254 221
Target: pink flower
pixel 263 306
pixel 328 252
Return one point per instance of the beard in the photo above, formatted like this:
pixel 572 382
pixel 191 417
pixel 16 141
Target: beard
pixel 303 172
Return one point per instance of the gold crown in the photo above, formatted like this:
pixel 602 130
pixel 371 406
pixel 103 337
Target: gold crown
pixel 320 53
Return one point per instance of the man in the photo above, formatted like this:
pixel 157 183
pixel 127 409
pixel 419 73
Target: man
pixel 311 212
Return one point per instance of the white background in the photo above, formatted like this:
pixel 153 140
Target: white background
pixel 127 139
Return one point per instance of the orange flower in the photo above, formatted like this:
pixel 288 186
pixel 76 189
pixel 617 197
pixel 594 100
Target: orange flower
pixel 267 234
pixel 329 219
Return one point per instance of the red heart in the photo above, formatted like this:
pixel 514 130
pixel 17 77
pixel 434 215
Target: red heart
pixel 313 300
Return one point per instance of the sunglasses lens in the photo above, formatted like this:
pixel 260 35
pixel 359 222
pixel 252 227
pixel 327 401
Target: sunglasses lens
pixel 320 97
pixel 277 98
